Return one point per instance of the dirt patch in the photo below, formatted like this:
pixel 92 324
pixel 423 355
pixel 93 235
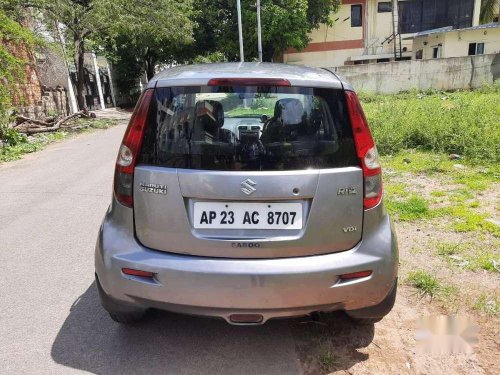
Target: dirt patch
pixel 389 347
pixel 337 346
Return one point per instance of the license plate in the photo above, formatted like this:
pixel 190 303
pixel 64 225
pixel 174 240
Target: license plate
pixel 219 215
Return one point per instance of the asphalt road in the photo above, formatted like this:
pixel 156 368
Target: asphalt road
pixel 51 206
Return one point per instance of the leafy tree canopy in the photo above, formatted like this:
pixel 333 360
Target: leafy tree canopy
pixel 284 24
pixel 155 32
pixel 489 9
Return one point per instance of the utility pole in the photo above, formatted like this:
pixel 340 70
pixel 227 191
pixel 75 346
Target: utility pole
pixel 240 31
pixel 98 81
pixel 72 99
pixel 259 32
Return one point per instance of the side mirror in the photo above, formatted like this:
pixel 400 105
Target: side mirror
pixel 264 118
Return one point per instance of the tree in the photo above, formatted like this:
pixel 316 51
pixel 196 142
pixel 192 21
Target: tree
pixel 82 20
pixel 488 10
pixel 285 24
pixel 155 32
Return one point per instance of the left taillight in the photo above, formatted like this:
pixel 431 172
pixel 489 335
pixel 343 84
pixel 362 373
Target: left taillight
pixel 129 150
pixel 366 151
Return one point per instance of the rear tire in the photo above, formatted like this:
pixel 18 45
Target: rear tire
pixel 126 317
pixel 374 314
pixel 365 321
pixel 118 311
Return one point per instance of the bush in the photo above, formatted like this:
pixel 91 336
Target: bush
pixel 10 136
pixel 465 123
pixel 11 69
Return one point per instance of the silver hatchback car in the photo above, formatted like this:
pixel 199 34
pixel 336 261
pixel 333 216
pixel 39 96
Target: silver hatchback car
pixel 247 191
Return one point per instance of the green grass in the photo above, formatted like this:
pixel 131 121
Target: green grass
pixel 396 190
pixel 35 143
pixel 466 123
pixel 471 256
pixel 425 283
pixel 461 201
pixel 469 220
pixel 485 261
pixel 489 305
pixel 409 209
pixel 461 195
pixel 446 249
pixel 418 162
pixel 438 194
pixel 327 361
pixel 38 141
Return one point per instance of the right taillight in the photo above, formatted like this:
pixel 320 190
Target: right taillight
pixel 366 151
pixel 129 150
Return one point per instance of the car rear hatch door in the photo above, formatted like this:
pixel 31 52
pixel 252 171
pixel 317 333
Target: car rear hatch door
pixel 294 189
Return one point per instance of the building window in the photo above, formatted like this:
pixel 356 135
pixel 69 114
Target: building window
pixel 356 15
pixel 384 7
pixel 476 49
pixel 421 15
pixel 419 54
pixel 436 52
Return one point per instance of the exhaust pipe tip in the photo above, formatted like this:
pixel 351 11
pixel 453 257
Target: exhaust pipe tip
pixel 246 318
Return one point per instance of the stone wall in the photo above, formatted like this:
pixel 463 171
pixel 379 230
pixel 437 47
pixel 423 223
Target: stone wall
pixel 33 98
pixel 52 101
pixel 448 74
pixel 28 92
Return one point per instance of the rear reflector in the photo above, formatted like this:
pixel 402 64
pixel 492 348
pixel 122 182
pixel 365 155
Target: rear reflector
pixel 132 272
pixel 248 82
pixel 246 318
pixel 355 275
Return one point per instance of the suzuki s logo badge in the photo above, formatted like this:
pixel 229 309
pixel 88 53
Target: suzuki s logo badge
pixel 248 186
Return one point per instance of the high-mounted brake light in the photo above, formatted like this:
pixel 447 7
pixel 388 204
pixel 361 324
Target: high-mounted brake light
pixel 248 82
pixel 366 152
pixel 129 150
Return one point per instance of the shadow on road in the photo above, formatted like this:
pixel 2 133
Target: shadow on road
pixel 169 343
pixel 331 344
pixel 176 344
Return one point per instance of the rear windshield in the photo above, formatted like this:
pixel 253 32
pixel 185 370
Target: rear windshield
pixel 248 129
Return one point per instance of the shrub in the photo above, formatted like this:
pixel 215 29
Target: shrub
pixel 10 136
pixel 425 283
pixel 465 122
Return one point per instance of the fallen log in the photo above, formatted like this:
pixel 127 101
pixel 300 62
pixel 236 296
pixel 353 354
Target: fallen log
pixel 31 126
pixel 21 120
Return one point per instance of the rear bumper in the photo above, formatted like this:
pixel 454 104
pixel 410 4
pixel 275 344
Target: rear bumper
pixel 220 287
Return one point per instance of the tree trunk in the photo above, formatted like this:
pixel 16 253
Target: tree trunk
pixel 149 63
pixel 150 67
pixel 277 56
pixel 80 73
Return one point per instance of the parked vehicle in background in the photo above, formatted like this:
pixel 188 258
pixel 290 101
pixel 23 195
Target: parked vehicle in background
pixel 247 192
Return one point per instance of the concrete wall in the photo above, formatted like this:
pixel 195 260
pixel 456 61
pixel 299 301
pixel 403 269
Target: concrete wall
pixel 322 58
pixel 441 74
